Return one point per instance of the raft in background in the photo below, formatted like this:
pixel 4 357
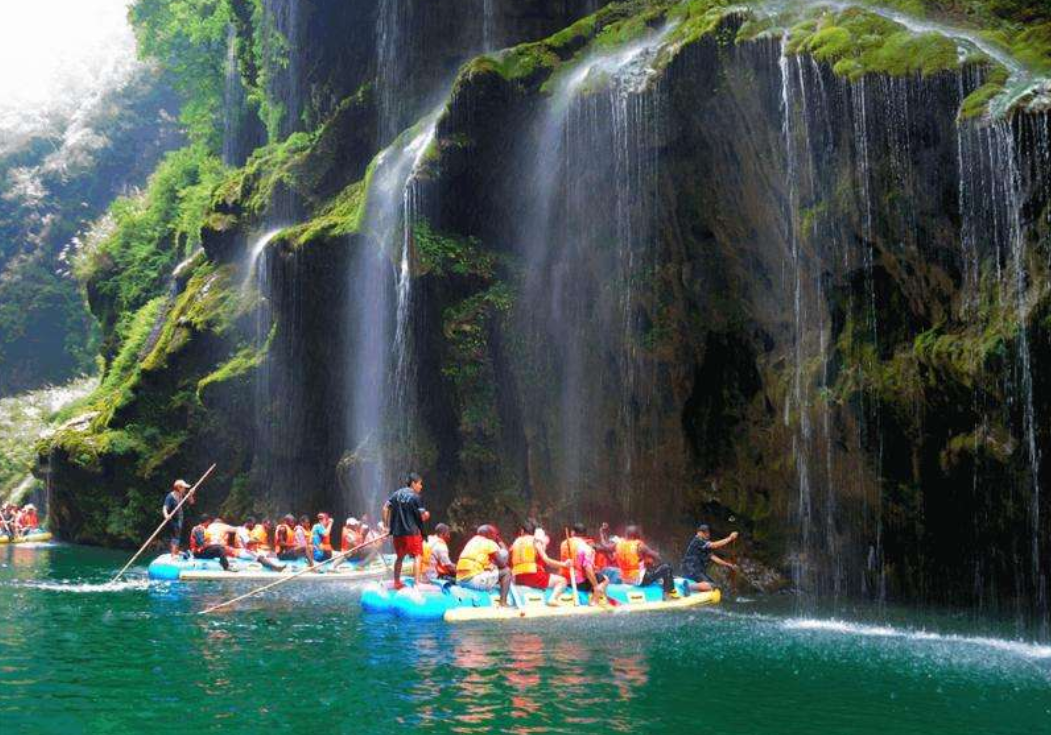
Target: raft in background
pixel 458 604
pixel 185 568
pixel 38 536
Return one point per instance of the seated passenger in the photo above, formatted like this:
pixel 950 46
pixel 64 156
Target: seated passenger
pixel 285 540
pixel 530 562
pixel 302 539
pixel 581 556
pixel 482 566
pixel 640 565
pixel 260 537
pixel 437 566
pixel 209 543
pixel 321 538
pixel 28 520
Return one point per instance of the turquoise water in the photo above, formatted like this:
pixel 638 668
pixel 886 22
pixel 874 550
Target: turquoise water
pixel 77 657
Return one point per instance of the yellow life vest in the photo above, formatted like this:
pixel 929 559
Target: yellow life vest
pixel 628 559
pixel 259 537
pixel 523 556
pixel 475 557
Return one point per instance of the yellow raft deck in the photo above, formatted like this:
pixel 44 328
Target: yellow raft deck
pixel 535 609
pixel 37 537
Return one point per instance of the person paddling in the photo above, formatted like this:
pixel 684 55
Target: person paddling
pixel 530 562
pixel 483 564
pixel 173 516
pixel 699 555
pixel 404 515
pixel 640 565
pixel 578 551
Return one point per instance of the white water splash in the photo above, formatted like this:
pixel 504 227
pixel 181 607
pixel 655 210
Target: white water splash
pixel 80 588
pixel 842 627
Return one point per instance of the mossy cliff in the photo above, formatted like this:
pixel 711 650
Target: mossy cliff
pixel 760 279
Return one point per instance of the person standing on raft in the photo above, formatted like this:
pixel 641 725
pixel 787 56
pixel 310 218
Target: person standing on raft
pixel 530 563
pixel 404 515
pixel 640 565
pixel 173 516
pixel 699 555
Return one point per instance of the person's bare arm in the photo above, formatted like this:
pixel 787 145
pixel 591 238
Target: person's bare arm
pixel 723 562
pixel 649 553
pixel 723 542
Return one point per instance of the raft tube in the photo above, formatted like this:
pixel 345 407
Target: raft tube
pixel 538 610
pixel 185 568
pixel 431 602
pixel 38 536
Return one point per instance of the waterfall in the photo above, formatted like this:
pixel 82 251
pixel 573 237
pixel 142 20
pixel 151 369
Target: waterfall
pixel 995 232
pixel 258 284
pixel 587 279
pixel 490 40
pixel 381 362
pixel 234 107
pixel 393 49
pixel 283 45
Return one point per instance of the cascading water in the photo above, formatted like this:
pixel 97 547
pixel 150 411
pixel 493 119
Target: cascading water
pixel 597 143
pixel 382 390
pixel 995 237
pixel 282 54
pixel 393 48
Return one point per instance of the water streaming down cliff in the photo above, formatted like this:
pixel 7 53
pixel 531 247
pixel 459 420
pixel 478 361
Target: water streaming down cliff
pixel 596 147
pixel 239 139
pixel 381 361
pixel 282 42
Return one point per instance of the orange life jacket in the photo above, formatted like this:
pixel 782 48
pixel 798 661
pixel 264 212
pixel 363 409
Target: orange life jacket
pixel 215 535
pixel 326 540
pixel 523 556
pixel 628 559
pixel 29 519
pixel 348 540
pixel 283 538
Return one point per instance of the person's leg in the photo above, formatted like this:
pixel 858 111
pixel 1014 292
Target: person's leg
pixel 557 584
pixel 504 577
pixel 663 574
pixel 398 557
pixel 266 562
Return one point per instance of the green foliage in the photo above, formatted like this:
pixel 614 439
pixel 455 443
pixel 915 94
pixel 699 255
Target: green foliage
pixel 152 232
pixel 188 39
pixel 441 254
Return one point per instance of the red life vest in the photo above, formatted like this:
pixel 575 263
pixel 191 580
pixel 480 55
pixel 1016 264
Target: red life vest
pixel 283 538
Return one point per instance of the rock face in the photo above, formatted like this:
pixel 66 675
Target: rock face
pixel 668 263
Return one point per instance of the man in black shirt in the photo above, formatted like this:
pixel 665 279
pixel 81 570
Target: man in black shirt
pixel 699 555
pixel 173 516
pixel 404 515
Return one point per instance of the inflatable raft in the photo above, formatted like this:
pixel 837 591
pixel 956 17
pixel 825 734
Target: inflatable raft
pixel 38 536
pixel 184 568
pixel 453 603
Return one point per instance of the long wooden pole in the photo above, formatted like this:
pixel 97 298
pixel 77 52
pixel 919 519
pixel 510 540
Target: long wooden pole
pixel 733 571
pixel 163 524
pixel 301 572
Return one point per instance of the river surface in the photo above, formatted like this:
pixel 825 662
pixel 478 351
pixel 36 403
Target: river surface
pixel 77 656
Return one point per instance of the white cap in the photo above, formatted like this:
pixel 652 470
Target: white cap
pixel 352 521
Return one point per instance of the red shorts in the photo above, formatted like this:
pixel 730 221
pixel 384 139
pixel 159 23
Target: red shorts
pixel 538 579
pixel 408 546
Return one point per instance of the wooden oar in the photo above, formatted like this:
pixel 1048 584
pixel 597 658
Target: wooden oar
pixel 289 578
pixel 160 528
pixel 572 570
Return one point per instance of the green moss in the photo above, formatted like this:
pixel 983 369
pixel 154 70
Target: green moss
pixel 340 217
pixel 856 42
pixel 244 362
